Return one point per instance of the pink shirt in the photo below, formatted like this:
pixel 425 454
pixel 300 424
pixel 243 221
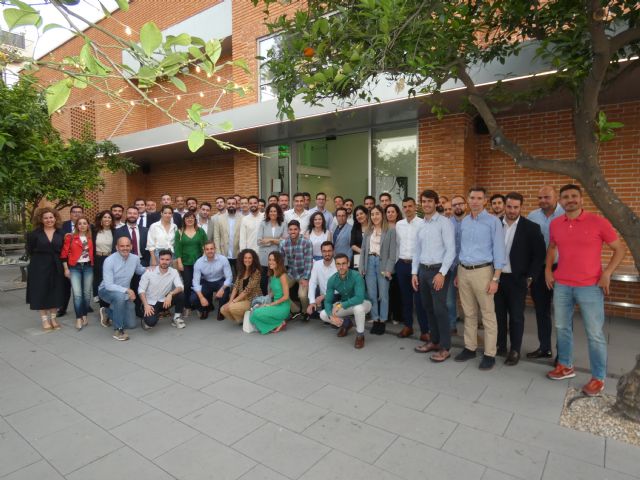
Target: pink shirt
pixel 579 243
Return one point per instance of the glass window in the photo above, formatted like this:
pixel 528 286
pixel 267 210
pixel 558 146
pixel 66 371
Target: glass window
pixel 274 170
pixel 264 45
pixel 394 155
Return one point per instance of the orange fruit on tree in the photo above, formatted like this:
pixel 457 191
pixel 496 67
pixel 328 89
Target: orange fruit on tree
pixel 308 52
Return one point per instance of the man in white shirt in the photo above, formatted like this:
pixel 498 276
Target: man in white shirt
pixel 406 240
pixel 298 213
pixel 160 289
pixel 250 224
pixel 320 274
pixel 141 205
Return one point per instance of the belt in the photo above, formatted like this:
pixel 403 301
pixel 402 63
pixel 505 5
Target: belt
pixel 405 260
pixel 102 254
pixel 434 266
pixel 475 267
pixel 374 255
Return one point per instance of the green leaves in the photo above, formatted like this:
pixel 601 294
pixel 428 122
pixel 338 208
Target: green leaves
pixel 606 129
pixel 196 140
pixel 150 37
pixel 23 15
pixel 123 5
pixel 178 83
pixel 57 95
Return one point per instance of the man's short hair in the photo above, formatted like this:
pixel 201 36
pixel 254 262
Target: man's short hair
pixel 254 196
pixel 497 195
pixel 261 200
pixel 320 193
pixel 571 186
pixel 341 255
pixel 139 199
pixel 132 207
pixel 232 197
pixel 191 198
pixel 297 194
pixel 165 251
pixel 514 196
pixel 384 194
pixel 349 200
pixel 338 197
pixel 341 209
pixel 220 198
pixel 77 206
pixel 326 243
pixel 370 197
pixel 116 205
pixel 283 194
pixel 209 242
pixel 432 194
pixel 408 199
pixel 477 189
pixel 205 204
pixel 306 194
pixel 166 195
pixel 293 223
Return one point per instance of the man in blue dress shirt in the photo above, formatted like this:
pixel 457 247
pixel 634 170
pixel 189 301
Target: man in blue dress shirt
pixel 481 256
pixel 211 275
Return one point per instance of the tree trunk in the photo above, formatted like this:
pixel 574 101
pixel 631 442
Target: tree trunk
pixel 628 400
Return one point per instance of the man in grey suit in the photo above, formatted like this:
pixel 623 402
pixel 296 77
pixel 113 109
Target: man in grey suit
pixel 342 234
pixel 205 221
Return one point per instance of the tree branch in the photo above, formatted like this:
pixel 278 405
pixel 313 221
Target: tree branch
pixel 623 39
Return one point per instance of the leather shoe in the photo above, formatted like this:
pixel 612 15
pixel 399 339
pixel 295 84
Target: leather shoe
pixel 359 341
pixel 204 314
pixel 540 354
pixel 501 352
pixel 378 328
pixel 512 359
pixel 405 332
pixel 425 337
pixel 344 329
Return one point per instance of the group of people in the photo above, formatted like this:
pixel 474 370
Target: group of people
pixel 268 262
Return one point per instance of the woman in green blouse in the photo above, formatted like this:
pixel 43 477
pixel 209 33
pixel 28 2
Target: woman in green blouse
pixel 188 246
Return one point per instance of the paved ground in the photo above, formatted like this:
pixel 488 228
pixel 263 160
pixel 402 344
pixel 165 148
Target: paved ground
pixel 211 402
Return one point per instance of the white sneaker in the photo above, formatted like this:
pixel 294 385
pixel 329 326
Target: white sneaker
pixel 104 317
pixel 178 323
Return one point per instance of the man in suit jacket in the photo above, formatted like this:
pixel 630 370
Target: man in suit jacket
pixel 205 221
pixel 525 249
pixel 342 234
pixel 226 235
pixel 154 217
pixel 130 229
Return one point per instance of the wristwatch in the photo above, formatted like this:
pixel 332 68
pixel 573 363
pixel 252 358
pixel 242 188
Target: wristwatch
pixel 496 279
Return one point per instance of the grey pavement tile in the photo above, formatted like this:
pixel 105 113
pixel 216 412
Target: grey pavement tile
pixel 44 419
pixel 20 393
pixel 160 361
pixel 285 452
pixel 532 405
pixel 560 467
pixel 343 376
pixel 350 436
pixel 177 400
pixel 469 388
pixel 47 369
pixel 260 472
pixel 472 414
pixel 223 422
pixel 140 382
pixel 346 402
pixel 174 342
pixel 491 474
pixel 76 446
pixel 100 364
pixel 288 412
pixel 36 471
pixel 203 458
pixel 236 391
pixel 561 440
pixel 622 457
pixel 210 357
pixel 338 466
pixel 259 351
pixel 123 464
pixel 399 393
pixel 427 368
pixel 15 452
pixel 343 352
pixel 422 427
pixel 290 383
pixel 195 375
pixel 412 460
pixel 247 368
pixel 505 455
pixel 221 340
pixel 294 361
pixel 100 402
pixel 153 433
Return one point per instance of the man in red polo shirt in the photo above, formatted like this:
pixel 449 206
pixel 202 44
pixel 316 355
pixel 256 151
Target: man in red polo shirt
pixel 579 279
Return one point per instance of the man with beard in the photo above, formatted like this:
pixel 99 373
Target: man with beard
pixel 227 232
pixel 283 201
pixel 117 211
pixel 496 203
pixel 459 211
pixel 348 205
pixel 192 205
pixel 250 224
pixel 204 220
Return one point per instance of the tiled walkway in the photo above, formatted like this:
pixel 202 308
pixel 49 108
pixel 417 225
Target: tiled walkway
pixel 211 402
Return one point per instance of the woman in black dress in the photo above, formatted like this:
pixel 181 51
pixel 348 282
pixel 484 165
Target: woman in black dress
pixel 45 279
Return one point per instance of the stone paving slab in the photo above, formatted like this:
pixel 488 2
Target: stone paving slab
pixel 209 402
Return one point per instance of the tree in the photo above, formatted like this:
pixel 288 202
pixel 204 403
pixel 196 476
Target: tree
pixel 37 164
pixel 340 50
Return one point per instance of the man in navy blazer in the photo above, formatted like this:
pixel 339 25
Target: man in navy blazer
pixel 525 250
pixel 127 230
pixel 342 234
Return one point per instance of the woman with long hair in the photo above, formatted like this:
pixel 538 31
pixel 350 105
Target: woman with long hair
pixel 273 316
pixel 317 233
pixel 360 225
pixel 270 233
pixel 161 234
pixel 77 260
pixel 379 255
pixel 246 286
pixel 394 215
pixel 103 246
pixel 45 277
pixel 188 243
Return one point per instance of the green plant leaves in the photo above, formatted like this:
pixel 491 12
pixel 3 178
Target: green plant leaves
pixel 150 37
pixel 123 5
pixel 196 140
pixel 17 17
pixel 58 94
pixel 178 83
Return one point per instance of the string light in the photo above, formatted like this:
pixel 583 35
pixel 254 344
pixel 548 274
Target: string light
pixel 132 103
pixel 208 75
pixel 178 97
pixel 83 107
pixel 218 79
pixel 108 105
pixel 127 30
pixel 201 94
pixel 198 69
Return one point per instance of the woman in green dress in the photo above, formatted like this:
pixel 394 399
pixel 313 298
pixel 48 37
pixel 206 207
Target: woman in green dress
pixel 272 317
pixel 188 245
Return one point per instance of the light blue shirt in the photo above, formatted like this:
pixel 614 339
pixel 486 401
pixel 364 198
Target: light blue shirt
pixel 457 226
pixel 435 243
pixel 539 217
pixel 117 272
pixel 211 271
pixel 482 240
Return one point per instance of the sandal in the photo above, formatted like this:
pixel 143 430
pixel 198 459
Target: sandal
pixel 46 325
pixel 79 324
pixel 440 356
pixel 55 325
pixel 427 347
pixel 85 321
pixel 283 326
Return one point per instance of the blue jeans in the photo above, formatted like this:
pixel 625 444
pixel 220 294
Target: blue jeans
pixel 121 310
pixel 81 285
pixel 377 289
pixel 591 302
pixel 452 298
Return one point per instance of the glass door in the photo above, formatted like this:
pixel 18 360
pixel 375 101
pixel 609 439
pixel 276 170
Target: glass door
pixel 274 169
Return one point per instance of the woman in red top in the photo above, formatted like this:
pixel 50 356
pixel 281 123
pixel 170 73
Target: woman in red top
pixel 77 259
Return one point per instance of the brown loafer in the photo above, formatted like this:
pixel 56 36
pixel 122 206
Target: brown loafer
pixel 359 343
pixel 425 337
pixel 427 347
pixel 440 356
pixel 405 332
pixel 343 331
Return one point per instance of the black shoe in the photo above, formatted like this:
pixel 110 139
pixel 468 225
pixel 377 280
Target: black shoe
pixel 487 363
pixel 512 359
pixel 501 352
pixel 465 355
pixel 540 354
pixel 204 314
pixel 378 328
